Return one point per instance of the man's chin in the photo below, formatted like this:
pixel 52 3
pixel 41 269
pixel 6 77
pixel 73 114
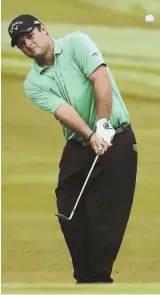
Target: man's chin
pixel 35 54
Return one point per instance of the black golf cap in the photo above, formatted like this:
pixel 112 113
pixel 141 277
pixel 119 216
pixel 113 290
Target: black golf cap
pixel 24 23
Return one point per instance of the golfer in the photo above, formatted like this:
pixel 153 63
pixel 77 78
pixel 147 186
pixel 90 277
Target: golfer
pixel 70 79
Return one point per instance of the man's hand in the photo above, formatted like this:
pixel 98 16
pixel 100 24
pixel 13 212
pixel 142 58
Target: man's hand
pixel 98 145
pixel 105 130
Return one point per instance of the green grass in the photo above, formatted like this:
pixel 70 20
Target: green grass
pixel 134 7
pixel 83 289
pixel 81 12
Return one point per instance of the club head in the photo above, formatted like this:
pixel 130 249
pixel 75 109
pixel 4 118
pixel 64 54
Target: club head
pixel 61 216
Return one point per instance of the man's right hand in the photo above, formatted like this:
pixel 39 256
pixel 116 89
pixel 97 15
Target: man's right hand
pixel 98 145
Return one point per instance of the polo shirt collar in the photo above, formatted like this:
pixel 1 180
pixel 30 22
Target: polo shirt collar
pixel 57 47
pixel 57 50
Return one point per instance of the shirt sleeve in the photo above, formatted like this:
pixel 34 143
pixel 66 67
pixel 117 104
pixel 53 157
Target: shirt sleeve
pixel 43 98
pixel 86 53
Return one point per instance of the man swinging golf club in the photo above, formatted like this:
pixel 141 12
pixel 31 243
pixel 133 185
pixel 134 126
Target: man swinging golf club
pixel 70 79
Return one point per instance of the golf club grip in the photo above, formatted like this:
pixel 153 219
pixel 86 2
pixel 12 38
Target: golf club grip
pixel 84 185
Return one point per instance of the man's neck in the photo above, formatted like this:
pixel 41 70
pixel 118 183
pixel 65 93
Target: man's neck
pixel 48 58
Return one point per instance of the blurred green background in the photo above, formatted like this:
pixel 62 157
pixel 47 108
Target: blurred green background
pixel 33 249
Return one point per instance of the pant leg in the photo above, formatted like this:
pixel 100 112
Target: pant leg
pixel 108 204
pixel 74 167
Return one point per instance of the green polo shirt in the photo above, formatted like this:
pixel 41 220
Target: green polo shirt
pixel 75 57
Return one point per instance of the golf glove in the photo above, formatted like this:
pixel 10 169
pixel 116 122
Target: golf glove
pixel 105 130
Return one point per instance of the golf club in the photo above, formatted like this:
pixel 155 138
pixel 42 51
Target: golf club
pixel 61 216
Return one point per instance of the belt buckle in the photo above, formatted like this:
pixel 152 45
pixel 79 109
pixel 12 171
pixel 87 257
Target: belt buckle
pixel 124 126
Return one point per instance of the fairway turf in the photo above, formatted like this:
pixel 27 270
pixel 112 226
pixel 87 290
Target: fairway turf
pixel 35 258
pixel 82 289
pixel 76 11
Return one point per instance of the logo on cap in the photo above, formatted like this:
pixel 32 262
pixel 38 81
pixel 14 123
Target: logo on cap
pixel 14 26
pixel 36 22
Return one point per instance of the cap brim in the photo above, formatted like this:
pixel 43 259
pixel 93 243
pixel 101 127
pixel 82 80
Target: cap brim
pixel 14 40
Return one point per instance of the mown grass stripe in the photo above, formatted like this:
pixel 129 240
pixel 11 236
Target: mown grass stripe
pixel 79 289
pixel 77 12
pixel 121 41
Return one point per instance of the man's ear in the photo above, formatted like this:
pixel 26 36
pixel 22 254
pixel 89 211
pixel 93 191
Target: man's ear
pixel 43 29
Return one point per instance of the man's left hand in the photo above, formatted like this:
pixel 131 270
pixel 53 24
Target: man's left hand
pixel 105 130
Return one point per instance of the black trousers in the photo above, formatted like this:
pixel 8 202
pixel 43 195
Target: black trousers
pixel 95 233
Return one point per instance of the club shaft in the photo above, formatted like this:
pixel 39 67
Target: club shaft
pixel 84 185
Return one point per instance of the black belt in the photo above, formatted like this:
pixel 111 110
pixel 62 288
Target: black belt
pixel 122 128
pixel 119 129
